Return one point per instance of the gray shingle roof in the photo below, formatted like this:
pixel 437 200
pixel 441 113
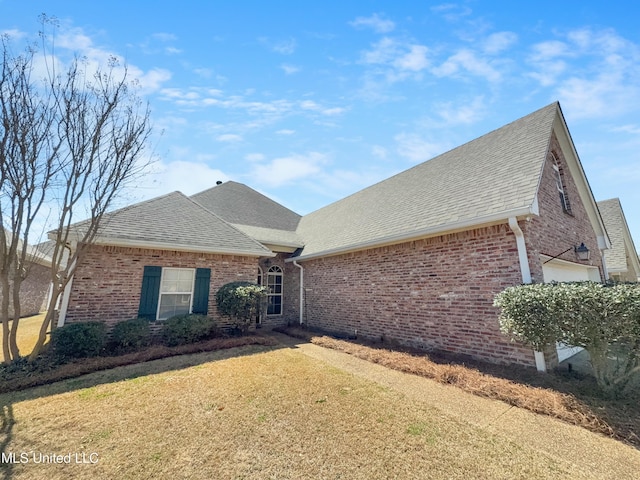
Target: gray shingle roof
pixel 616 225
pixel 174 221
pixel 238 204
pixel 495 174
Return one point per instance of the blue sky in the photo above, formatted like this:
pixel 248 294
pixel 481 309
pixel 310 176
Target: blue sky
pixel 308 103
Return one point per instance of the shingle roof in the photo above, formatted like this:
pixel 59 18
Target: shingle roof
pixel 616 225
pixel 494 174
pixel 174 221
pixel 238 204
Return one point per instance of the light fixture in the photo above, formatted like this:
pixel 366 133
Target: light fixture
pixel 582 252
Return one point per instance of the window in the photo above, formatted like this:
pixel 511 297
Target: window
pixel 564 201
pixel 274 291
pixel 174 291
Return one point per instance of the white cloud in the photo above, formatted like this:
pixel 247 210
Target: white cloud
pixel 13 34
pixel 285 131
pixel 415 59
pixel 465 114
pixel 377 23
pixel 592 73
pixel 467 60
pixel 229 138
pixel 289 69
pixel 283 47
pixel 499 42
pixel 285 170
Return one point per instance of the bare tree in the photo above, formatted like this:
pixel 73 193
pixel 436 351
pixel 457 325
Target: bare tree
pixel 70 142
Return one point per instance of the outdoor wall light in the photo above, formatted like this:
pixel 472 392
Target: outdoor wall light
pixel 582 252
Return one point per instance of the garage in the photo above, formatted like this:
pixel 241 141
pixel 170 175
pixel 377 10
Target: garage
pixel 556 270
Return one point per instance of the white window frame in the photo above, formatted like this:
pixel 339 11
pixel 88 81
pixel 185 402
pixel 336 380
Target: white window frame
pixel 271 274
pixel 161 293
pixel 559 186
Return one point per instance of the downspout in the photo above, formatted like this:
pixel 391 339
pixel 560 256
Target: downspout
pixel 525 271
pixel 301 291
pixel 66 294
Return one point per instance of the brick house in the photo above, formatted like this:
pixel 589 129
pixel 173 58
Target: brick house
pixel 622 258
pixel 416 258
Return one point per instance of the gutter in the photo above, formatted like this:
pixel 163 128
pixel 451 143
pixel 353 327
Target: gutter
pixel 178 247
pixel 295 263
pixel 425 232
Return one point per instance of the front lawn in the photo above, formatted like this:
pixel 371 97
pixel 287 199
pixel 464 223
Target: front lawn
pixel 256 412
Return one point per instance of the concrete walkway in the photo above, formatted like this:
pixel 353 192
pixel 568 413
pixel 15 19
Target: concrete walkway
pixel 590 454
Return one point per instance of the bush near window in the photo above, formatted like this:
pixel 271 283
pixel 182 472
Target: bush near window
pixel 130 335
pixel 78 340
pixel 184 329
pixel 604 319
pixel 242 301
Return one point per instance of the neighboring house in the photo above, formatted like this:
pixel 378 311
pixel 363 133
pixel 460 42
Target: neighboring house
pixel 35 288
pixel 416 258
pixel 622 259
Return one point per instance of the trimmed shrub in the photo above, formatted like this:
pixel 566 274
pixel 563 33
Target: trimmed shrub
pixel 78 340
pixel 242 301
pixel 183 329
pixel 604 319
pixel 130 335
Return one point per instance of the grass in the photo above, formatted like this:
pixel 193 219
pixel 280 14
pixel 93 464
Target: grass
pixel 254 412
pixel 572 398
pixel 28 331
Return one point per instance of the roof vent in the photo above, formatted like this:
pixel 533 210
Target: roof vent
pixel 219 182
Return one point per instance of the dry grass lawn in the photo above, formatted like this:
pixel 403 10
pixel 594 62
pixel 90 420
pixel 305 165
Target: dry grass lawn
pixel 28 331
pixel 574 399
pixel 251 412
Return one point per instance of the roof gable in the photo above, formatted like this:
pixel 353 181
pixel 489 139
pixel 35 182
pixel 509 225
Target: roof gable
pixel 492 177
pixel 622 249
pixel 174 222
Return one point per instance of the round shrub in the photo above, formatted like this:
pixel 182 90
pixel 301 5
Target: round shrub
pixel 130 335
pixel 183 329
pixel 242 302
pixel 78 340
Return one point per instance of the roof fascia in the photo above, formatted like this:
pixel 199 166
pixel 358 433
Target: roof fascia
pixel 502 217
pixel 577 173
pixel 121 242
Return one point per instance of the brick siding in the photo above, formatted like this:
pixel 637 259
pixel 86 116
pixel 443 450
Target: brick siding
pixel 435 293
pixel 107 284
pixel 34 291
pixel 556 230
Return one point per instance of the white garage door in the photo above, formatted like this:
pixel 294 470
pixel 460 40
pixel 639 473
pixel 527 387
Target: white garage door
pixel 561 271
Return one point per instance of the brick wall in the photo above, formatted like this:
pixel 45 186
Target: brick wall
pixel 106 286
pixel 34 291
pixel 556 230
pixel 435 293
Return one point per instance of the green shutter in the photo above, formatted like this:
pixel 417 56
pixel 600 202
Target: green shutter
pixel 201 291
pixel 150 292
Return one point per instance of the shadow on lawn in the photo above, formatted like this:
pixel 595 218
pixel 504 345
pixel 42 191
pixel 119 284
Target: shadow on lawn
pixel 102 370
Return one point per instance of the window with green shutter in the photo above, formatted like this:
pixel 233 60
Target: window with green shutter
pixel 174 291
